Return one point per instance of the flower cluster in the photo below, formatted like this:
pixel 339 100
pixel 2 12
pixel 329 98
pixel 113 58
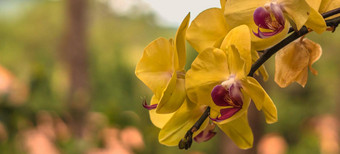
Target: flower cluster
pixel 227 40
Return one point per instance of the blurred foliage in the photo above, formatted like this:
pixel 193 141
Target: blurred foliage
pixel 29 44
pixel 30 39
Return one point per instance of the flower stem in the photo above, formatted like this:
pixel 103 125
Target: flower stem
pixel 331 13
pixel 304 30
pixel 186 142
pixel 333 23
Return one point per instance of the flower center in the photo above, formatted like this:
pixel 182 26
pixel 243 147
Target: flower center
pixel 269 17
pixel 227 95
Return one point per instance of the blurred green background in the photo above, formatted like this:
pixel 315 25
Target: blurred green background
pixel 67 85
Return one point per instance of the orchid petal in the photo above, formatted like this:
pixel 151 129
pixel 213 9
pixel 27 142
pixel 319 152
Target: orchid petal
pixel 264 73
pixel 206 134
pixel 236 95
pixel 218 118
pixel 206 29
pixel 157 62
pixel 255 56
pixel 159 120
pixel 240 38
pixel 226 114
pixel 175 129
pixel 180 42
pixel 262 35
pixel 203 138
pixel 315 52
pixel 264 43
pixel 278 14
pixel 260 98
pixel 236 63
pixel 241 12
pixel 302 77
pixel 315 4
pixel 219 95
pixel 222 3
pixel 327 5
pixel 262 17
pixel 209 69
pixel 173 96
pixel 291 64
pixel 297 10
pixel 239 131
pixel 316 22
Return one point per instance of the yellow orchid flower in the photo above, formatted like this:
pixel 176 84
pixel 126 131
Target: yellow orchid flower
pixel 209 29
pixel 292 62
pixel 218 78
pixel 238 12
pixel 269 18
pixel 161 68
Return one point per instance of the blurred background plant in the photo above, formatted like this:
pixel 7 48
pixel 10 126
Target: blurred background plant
pixel 67 85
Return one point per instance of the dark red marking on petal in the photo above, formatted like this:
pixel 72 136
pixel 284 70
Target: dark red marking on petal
pixel 149 107
pixel 226 113
pixel 220 96
pixel 262 17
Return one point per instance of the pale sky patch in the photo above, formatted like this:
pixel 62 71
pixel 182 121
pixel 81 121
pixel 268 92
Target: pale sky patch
pixel 170 12
pixel 174 11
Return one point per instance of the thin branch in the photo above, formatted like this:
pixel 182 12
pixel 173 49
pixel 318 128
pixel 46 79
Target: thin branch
pixel 333 23
pixel 186 142
pixel 331 13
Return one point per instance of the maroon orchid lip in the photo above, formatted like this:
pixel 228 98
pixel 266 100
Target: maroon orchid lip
pixel 263 18
pixel 149 107
pixel 220 96
pixel 231 97
pixel 226 113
